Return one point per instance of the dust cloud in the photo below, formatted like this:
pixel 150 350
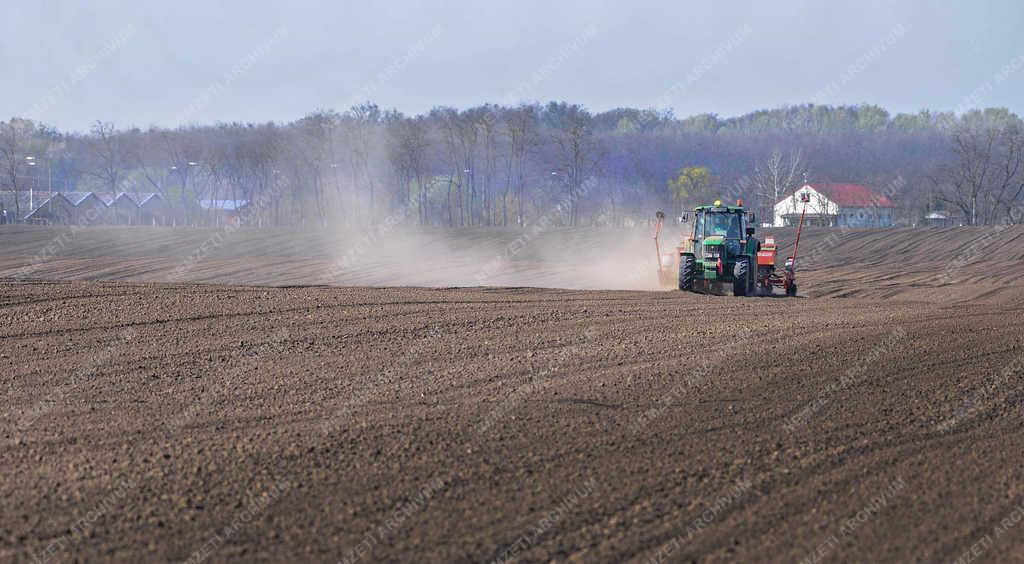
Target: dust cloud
pixel 577 258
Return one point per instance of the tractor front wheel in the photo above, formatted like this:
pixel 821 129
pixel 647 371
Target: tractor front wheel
pixel 741 277
pixel 791 290
pixel 686 272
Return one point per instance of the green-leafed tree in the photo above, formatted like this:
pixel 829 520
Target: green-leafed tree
pixel 691 185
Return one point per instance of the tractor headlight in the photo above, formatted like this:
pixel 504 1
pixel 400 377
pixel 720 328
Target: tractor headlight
pixel 712 251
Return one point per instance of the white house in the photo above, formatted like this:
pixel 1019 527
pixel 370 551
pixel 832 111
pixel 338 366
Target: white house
pixel 835 204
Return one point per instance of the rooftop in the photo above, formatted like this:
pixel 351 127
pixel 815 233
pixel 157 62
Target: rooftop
pixel 849 194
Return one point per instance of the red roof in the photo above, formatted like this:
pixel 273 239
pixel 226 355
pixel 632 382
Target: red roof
pixel 853 195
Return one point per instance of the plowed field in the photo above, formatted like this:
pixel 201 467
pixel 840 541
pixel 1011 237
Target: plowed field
pixel 146 416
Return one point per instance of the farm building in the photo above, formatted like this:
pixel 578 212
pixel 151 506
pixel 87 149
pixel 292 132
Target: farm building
pixel 85 208
pixel 89 207
pixel 836 204
pixel 122 210
pixel 942 219
pixel 61 207
pixel 128 208
pixel 55 208
pixel 153 209
pixel 224 211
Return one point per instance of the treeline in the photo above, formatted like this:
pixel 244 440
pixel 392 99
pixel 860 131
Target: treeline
pixel 507 166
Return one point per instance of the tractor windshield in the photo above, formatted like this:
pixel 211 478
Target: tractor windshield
pixel 725 224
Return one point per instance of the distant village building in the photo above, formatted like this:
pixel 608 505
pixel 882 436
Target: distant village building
pixel 55 208
pixel 153 209
pixel 84 208
pixel 224 211
pixel 122 210
pixel 137 208
pixel 89 207
pixel 836 204
pixel 34 206
pixel 941 219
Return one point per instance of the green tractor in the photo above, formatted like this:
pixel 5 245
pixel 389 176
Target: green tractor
pixel 720 252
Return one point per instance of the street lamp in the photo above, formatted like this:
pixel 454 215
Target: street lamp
pixel 31 189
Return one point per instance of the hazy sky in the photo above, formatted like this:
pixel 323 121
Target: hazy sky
pixel 166 55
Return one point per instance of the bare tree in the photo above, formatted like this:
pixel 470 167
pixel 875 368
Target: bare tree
pixel 986 178
pixel 309 155
pixel 363 131
pixel 489 137
pixel 466 134
pixel 776 176
pixel 15 137
pixel 578 154
pixel 111 157
pixel 152 162
pixel 1008 176
pixel 450 125
pixel 408 143
pixel 521 130
pixel 184 153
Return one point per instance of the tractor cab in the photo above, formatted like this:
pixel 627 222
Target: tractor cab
pixel 718 226
pixel 719 223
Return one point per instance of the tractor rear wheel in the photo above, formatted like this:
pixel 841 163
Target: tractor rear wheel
pixel 741 277
pixel 686 272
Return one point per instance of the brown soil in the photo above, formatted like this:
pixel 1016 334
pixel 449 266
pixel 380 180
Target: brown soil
pixel 140 420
